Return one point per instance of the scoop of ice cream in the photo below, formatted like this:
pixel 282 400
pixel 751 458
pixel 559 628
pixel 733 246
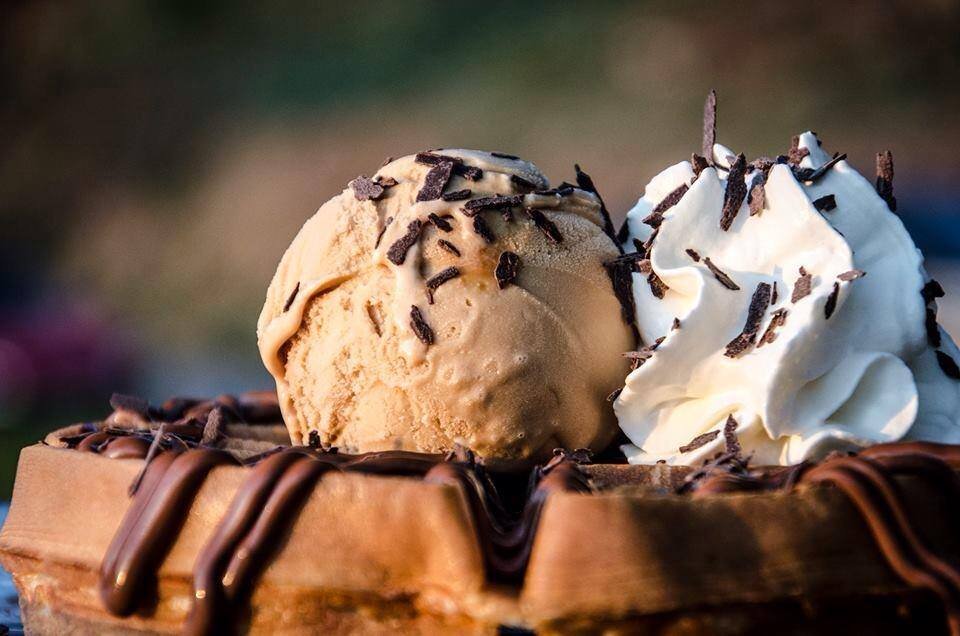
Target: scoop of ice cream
pixel 451 298
pixel 796 317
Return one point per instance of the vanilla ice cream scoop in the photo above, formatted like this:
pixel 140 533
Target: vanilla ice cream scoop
pixel 452 298
pixel 786 312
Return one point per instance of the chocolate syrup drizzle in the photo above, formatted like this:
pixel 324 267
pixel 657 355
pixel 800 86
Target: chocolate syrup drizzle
pixel 267 504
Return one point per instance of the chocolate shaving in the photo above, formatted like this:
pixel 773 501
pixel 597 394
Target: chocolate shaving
pixel 853 274
pixel 386 182
pixel 699 440
pixel 435 182
pixel 366 189
pixel 931 291
pixel 397 253
pixel 292 297
pixel 620 272
pixel 757 197
pixel 155 447
pixel 313 439
pixel 440 278
pixel 383 230
pixel 725 280
pixel 655 218
pixel 885 179
pixel 699 164
pixel 470 173
pixel 448 246
pixel 522 183
pixel 480 227
pixel 456 195
pixel 504 155
pixel 730 436
pixel 810 175
pixel 777 320
pixel 758 306
pixel 933 330
pixel 775 295
pixel 586 183
pixel 441 223
pixel 801 288
pixel 796 153
pixel 735 193
pixel 657 287
pixel 676 324
pixel 831 304
pixel 213 429
pixel 508 268
pixel 614 395
pixel 694 254
pixel 545 225
pixel 496 202
pixel 709 125
pixel 948 365
pixel 825 203
pixel 132 403
pixel 420 326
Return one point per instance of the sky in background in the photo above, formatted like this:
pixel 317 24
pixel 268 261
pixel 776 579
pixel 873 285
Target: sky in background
pixel 158 157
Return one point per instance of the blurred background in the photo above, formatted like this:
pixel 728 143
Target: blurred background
pixel 156 158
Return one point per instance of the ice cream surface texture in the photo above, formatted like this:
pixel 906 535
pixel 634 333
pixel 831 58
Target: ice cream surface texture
pixel 452 298
pixel 795 314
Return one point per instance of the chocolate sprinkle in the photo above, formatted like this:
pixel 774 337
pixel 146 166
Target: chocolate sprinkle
pixel 435 182
pixel 796 153
pixel 699 440
pixel 545 225
pixel 366 189
pixel 420 326
pixel 931 291
pixel 948 365
pixel 777 320
pixel 694 254
pixel 496 202
pixel 730 436
pixel 853 274
pixel 725 280
pixel 831 305
pixel 933 330
pixel 747 337
pixel 456 195
pixel 459 167
pixel 809 175
pixel 657 286
pixel 504 155
pixel 440 278
pixel 508 267
pixel 757 197
pixel 825 203
pixel 441 223
pixel 699 164
pixel 801 288
pixel 450 247
pixel 885 179
pixel 480 227
pixel 293 296
pixel 735 193
pixel 709 125
pixel 398 251
pixel 586 183
pixel 655 218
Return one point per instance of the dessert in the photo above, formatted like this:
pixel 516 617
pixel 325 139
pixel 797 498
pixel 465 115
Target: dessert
pixel 417 470
pixel 446 300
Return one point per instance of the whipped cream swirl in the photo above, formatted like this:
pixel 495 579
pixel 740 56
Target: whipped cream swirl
pixel 854 361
